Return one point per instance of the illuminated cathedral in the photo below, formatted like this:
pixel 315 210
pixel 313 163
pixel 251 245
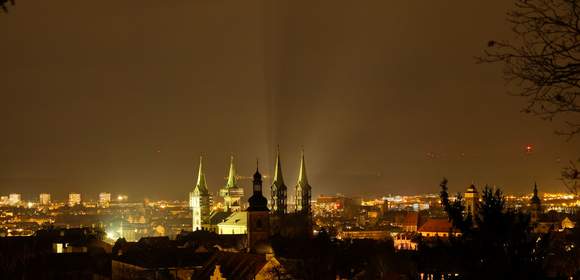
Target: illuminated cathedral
pixel 261 219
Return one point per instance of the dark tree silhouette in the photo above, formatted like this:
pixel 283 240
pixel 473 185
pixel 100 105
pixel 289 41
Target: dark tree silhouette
pixel 3 4
pixel 571 178
pixel 544 62
pixel 495 244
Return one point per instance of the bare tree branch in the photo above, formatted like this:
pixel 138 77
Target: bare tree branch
pixel 544 63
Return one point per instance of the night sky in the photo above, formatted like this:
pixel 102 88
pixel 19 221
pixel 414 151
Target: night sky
pixel 384 96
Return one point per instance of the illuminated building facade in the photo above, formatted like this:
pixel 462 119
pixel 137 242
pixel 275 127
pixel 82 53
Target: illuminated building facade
pixel 44 199
pixel 14 199
pixel 74 199
pixel 104 199
pixel 471 201
pixel 200 200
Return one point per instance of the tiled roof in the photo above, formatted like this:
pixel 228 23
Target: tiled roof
pixel 233 266
pixel 411 219
pixel 236 219
pixel 159 252
pixel 437 225
pixel 218 217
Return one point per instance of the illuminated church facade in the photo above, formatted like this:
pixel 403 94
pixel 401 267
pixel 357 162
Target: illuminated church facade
pixel 261 219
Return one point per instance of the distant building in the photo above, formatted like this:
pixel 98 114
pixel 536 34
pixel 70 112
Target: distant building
pixel 74 199
pixel 411 222
pixel 364 234
pixel 471 201
pixel 14 199
pixel 231 193
pixel 438 228
pixel 231 266
pixel 156 258
pixel 535 206
pixel 568 224
pixel 404 241
pixel 104 199
pixel 44 199
pixel 200 200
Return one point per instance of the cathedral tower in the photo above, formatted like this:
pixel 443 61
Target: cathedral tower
pixel 231 192
pixel 200 200
pixel 303 190
pixel 258 215
pixel 278 189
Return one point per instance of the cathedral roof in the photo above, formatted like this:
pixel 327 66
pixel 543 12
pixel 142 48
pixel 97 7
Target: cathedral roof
pixel 232 183
pixel 201 185
pixel 238 218
pixel 302 179
pixel 278 179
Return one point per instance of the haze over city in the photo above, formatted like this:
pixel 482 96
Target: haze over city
pixel 383 98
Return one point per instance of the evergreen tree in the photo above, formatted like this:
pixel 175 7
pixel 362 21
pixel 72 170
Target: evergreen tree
pixel 496 244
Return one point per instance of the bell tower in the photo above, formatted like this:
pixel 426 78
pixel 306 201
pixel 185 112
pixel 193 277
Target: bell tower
pixel 278 189
pixel 231 192
pixel 303 190
pixel 471 201
pixel 200 200
pixel 535 206
pixel 258 214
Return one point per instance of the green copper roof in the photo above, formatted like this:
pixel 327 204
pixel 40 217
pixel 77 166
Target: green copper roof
pixel 232 175
pixel 278 178
pixel 302 179
pixel 200 185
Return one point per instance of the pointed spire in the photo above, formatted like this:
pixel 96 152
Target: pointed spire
pixel 302 179
pixel 278 178
pixel 201 184
pixel 232 175
pixel 535 198
pixel 257 175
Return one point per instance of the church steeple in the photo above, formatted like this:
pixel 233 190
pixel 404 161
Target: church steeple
pixel 278 188
pixel 200 200
pixel 200 185
pixel 302 179
pixel 231 192
pixel 278 178
pixel 535 205
pixel 535 198
pixel 257 201
pixel 232 183
pixel 303 189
